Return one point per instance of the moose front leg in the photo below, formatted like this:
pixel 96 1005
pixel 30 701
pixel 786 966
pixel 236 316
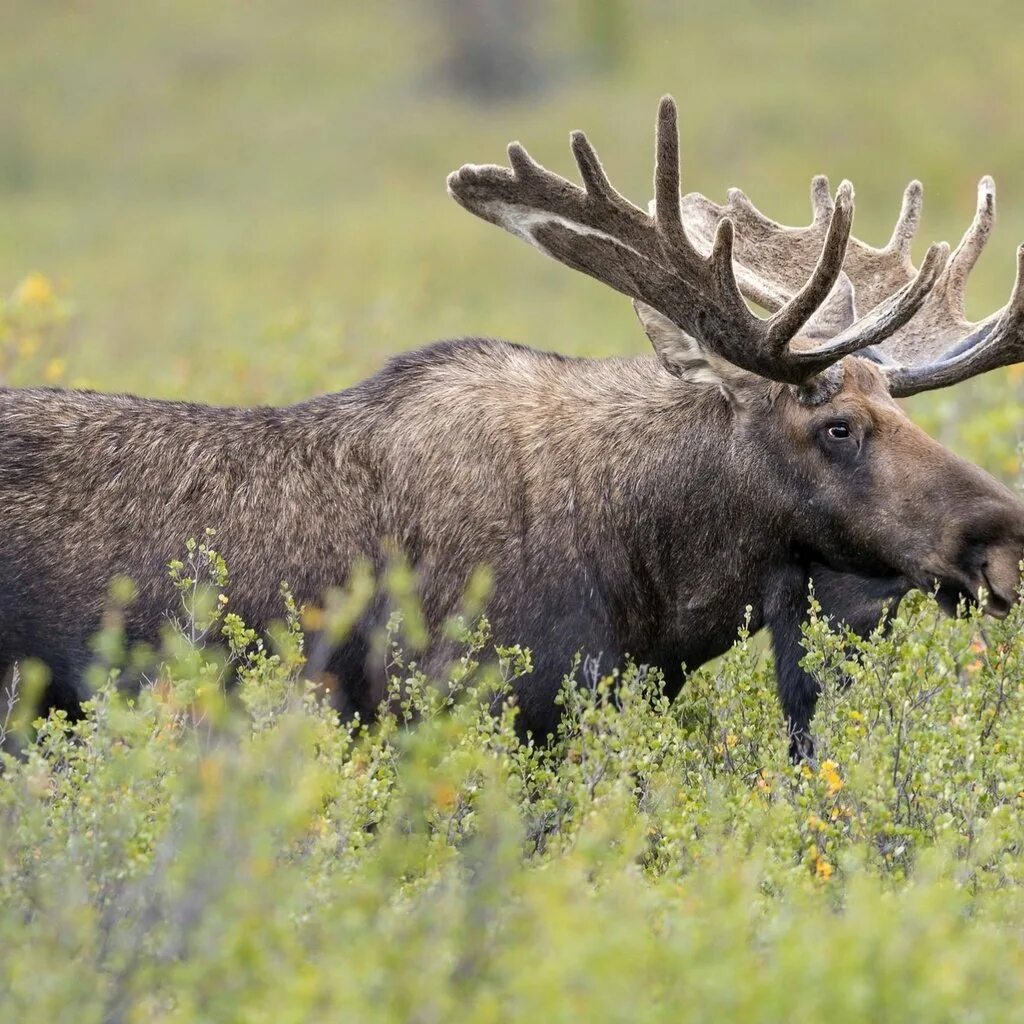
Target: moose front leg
pixel 798 690
pixel 849 600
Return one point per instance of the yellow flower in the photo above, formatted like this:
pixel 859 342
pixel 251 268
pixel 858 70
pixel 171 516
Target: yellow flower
pixel 35 290
pixel 313 618
pixel 822 868
pixel 54 370
pixel 829 774
pixel 731 740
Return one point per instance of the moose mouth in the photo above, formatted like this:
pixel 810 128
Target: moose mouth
pixel 951 592
pixel 997 605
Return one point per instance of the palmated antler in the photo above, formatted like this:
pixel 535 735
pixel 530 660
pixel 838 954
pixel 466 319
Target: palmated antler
pixel 937 347
pixel 771 257
pixel 657 258
pixel 959 348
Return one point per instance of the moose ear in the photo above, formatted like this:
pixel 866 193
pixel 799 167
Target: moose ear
pixel 682 355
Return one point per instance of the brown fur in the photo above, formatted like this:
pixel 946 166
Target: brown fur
pixel 624 511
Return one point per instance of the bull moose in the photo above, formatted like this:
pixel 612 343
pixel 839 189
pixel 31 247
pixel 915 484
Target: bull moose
pixel 627 507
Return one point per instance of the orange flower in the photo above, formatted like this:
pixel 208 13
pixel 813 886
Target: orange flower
pixel 829 774
pixel 822 868
pixel 445 796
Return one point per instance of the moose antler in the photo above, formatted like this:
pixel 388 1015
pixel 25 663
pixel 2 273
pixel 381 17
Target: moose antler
pixel 939 346
pixel 771 258
pixel 960 348
pixel 653 258
pixel 997 341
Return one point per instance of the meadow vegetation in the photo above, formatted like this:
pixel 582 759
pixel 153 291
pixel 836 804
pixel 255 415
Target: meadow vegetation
pixel 248 206
pixel 192 854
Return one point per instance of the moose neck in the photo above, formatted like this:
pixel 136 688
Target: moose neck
pixel 659 491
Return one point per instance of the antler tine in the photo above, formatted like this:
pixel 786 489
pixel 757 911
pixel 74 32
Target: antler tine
pixel 800 308
pixel 668 217
pixel 594 178
pixel 523 165
pixel 720 262
pixel 971 245
pixel 907 223
pixel 821 200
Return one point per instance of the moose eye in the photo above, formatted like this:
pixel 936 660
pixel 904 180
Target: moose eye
pixel 839 431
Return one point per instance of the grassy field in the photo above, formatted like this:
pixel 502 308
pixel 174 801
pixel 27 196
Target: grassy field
pixel 246 204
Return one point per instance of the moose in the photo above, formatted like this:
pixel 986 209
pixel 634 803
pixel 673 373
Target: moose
pixel 627 507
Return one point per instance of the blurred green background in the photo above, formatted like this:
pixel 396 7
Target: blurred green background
pixel 246 202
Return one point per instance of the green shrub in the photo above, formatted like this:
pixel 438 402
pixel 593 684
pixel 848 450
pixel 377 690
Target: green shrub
pixel 196 853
